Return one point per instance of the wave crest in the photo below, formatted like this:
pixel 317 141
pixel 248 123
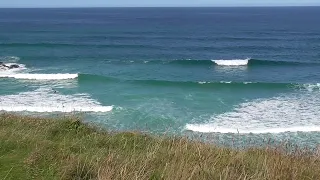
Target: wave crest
pixel 47 100
pixel 203 84
pixel 40 76
pixel 235 62
pixel 290 113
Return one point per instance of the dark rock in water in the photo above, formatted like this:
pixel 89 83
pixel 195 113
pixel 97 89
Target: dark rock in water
pixel 14 66
pixel 5 67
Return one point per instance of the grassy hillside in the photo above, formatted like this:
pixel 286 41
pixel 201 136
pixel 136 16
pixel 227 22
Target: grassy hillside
pixel 36 148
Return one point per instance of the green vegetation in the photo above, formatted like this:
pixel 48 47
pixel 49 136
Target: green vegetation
pixel 38 148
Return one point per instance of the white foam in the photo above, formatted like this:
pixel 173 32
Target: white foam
pixel 47 100
pixel 234 62
pixel 247 82
pixel 223 82
pixel 293 113
pixel 207 128
pixel 8 61
pixel 203 82
pixel 226 82
pixel 13 70
pixel 40 76
pixel 312 87
pixel 56 109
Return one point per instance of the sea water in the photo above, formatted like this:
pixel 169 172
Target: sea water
pixel 227 72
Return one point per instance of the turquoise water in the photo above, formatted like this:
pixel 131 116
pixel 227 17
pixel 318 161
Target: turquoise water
pixel 226 72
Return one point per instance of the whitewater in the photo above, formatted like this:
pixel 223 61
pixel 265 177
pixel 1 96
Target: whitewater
pixel 40 76
pixel 45 99
pixel 235 62
pixel 197 71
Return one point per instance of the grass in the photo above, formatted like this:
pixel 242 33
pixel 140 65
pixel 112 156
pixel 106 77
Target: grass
pixel 39 148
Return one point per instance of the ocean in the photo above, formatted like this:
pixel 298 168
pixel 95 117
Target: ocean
pixel 231 73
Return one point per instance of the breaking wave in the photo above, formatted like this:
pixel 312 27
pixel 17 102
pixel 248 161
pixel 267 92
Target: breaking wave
pixel 13 70
pixel 235 62
pixel 83 78
pixel 202 84
pixel 16 72
pixel 40 76
pixel 222 62
pixel 47 100
pixel 291 113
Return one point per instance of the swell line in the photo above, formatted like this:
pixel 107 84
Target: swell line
pixel 56 45
pixel 90 78
pixel 40 76
pixel 84 78
pixel 232 62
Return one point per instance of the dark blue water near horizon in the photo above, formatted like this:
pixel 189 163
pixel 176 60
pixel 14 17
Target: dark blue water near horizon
pixel 191 70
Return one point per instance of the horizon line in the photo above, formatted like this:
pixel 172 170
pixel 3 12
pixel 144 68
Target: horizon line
pixel 75 7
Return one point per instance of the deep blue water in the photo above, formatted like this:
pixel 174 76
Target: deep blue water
pixel 156 68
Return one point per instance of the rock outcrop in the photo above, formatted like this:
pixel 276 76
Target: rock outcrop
pixel 3 66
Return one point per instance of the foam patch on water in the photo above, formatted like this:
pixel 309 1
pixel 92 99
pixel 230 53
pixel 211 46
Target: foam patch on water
pixel 223 82
pixel 234 62
pixel 47 100
pixel 226 82
pixel 13 70
pixel 40 76
pixel 203 82
pixel 8 61
pixel 312 87
pixel 16 74
pixel 293 113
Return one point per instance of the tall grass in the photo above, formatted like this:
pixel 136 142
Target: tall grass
pixel 39 148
